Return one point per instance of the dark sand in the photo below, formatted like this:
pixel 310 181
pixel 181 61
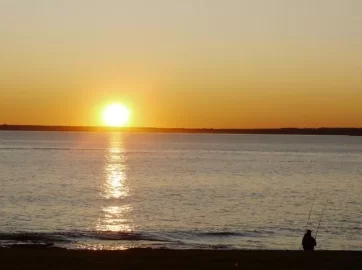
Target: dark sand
pixel 42 258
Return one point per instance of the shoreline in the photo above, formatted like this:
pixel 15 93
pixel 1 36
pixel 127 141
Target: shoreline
pixel 58 258
pixel 261 131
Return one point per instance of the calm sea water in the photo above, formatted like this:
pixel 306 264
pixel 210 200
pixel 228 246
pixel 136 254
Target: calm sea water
pixel 116 191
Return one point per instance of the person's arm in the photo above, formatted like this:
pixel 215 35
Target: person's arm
pixel 315 242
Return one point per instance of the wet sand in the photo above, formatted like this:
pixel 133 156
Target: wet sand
pixel 52 258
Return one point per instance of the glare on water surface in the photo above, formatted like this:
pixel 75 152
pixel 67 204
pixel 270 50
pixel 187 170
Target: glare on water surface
pixel 115 190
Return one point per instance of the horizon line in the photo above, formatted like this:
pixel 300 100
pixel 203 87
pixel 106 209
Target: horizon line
pixel 349 131
pixel 150 127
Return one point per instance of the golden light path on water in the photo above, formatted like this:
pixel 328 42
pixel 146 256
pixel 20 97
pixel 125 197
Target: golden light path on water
pixel 115 190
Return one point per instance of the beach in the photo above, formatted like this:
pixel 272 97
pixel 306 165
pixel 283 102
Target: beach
pixel 56 258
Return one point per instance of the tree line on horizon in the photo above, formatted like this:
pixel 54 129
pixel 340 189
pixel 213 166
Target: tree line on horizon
pixel 291 131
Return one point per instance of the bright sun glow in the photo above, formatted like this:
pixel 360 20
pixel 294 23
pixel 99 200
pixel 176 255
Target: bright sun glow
pixel 116 115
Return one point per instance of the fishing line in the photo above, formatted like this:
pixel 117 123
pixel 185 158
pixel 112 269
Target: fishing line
pixel 311 209
pixel 320 220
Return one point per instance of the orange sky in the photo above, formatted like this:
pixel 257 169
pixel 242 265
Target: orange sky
pixel 196 64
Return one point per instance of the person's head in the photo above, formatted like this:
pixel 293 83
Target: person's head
pixel 309 232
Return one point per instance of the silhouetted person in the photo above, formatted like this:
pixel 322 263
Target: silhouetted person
pixel 308 241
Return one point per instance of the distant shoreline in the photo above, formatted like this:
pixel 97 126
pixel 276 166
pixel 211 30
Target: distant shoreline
pixel 277 131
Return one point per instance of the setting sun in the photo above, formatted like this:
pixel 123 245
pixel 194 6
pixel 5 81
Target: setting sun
pixel 116 115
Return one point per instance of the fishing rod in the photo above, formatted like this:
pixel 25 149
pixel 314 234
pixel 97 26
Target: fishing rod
pixel 320 220
pixel 311 209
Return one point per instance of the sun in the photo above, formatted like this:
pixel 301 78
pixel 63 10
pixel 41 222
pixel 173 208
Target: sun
pixel 116 115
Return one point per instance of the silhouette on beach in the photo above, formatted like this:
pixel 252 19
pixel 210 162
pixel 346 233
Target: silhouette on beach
pixel 309 241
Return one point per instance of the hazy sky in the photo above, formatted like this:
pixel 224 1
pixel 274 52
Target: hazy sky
pixel 184 63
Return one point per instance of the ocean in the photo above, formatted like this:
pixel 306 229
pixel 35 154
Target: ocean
pixel 179 191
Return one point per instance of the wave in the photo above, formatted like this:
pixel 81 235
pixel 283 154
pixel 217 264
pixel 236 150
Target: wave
pixel 33 237
pixel 75 236
pixel 109 235
pixel 116 236
pixel 222 234
pixel 178 239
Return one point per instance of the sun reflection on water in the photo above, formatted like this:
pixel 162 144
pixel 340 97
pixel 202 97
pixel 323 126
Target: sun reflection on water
pixel 113 219
pixel 115 187
pixel 115 190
